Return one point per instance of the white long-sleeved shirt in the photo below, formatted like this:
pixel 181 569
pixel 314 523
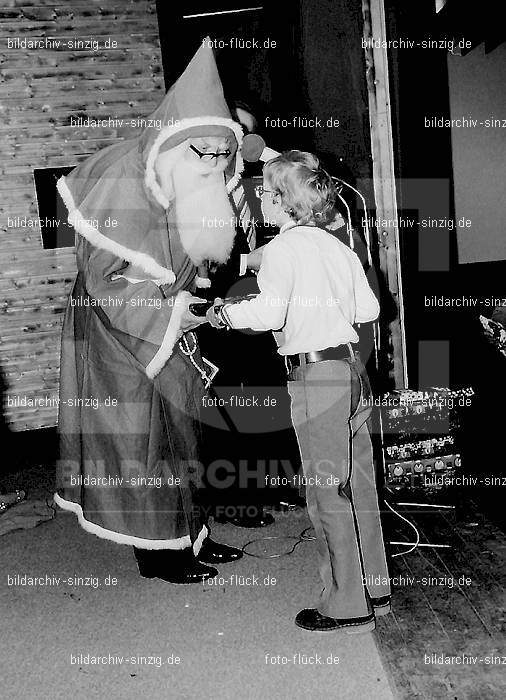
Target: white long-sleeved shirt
pixel 312 287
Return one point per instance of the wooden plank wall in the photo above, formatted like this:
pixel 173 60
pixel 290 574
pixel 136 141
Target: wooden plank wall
pixel 40 89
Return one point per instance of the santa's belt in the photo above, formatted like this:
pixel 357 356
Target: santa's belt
pixel 342 352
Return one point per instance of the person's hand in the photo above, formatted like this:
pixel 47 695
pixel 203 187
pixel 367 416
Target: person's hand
pixel 211 316
pixel 255 258
pixel 188 320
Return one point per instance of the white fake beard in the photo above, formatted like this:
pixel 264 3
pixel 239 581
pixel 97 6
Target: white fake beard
pixel 204 216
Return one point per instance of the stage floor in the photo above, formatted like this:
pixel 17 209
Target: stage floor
pixel 447 602
pixel 443 639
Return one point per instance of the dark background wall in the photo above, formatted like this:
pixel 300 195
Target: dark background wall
pixel 477 83
pixel 437 336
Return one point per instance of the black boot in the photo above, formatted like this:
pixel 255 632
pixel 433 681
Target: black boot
pixel 172 565
pixel 213 552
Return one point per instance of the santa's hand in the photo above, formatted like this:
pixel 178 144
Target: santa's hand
pixel 212 317
pixel 188 320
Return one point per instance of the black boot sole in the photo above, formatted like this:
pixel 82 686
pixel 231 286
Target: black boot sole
pixel 177 580
pixel 212 561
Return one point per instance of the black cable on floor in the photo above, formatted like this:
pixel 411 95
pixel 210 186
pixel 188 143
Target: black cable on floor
pixel 301 538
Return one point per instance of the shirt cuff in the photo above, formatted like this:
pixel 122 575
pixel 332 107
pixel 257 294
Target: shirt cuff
pixel 243 266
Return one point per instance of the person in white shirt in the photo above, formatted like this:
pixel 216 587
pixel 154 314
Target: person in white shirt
pixel 313 290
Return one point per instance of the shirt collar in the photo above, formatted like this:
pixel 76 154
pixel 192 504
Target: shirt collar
pixel 287 225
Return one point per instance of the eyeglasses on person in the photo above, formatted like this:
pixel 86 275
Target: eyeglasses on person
pixel 208 157
pixel 260 190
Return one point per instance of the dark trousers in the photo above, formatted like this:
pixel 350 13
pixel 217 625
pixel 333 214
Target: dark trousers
pixel 330 408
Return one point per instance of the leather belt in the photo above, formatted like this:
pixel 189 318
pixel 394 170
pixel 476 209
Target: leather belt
pixel 342 352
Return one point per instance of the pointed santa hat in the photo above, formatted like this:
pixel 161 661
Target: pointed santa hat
pixel 194 106
pixel 110 186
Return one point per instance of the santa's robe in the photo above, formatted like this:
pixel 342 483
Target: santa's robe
pixel 131 387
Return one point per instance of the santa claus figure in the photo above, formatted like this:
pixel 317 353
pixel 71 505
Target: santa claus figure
pixel 146 212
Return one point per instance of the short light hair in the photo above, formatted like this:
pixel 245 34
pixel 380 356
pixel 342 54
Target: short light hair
pixel 308 193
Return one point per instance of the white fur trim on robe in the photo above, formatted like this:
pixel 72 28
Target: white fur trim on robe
pixel 140 542
pixel 202 282
pixel 171 335
pixel 145 262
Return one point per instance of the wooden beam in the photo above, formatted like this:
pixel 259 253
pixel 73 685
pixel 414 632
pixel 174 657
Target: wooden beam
pixel 384 177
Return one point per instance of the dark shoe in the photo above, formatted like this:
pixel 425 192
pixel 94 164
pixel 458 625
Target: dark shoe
pixel 311 619
pixel 381 605
pixel 178 566
pixel 250 521
pixel 215 553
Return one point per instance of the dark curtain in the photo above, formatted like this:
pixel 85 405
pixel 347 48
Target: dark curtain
pixel 315 70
